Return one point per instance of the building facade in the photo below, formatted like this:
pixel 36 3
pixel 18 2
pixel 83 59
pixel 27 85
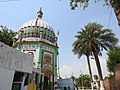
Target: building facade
pixel 66 84
pixel 14 66
pixel 37 38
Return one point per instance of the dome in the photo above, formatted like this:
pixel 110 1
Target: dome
pixel 39 23
pixel 37 28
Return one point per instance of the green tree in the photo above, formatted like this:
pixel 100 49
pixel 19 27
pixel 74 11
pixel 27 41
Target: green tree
pixel 83 81
pixel 85 3
pixel 79 48
pixel 73 77
pixel 6 35
pixel 97 39
pixel 95 77
pixel 78 82
pixel 113 58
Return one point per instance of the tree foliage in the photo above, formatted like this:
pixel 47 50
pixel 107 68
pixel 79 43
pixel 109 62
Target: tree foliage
pixel 95 77
pixel 83 81
pixel 113 58
pixel 80 48
pixel 6 35
pixel 85 3
pixel 95 39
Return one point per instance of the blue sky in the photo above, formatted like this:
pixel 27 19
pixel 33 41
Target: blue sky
pixel 58 14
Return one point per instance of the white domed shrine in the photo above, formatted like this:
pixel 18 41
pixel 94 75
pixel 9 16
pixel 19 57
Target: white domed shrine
pixel 37 38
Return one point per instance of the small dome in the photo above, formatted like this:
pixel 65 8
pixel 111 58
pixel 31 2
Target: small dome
pixel 34 28
pixel 37 23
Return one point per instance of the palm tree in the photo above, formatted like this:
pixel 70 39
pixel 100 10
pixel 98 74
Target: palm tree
pixel 80 49
pixel 85 79
pixel 93 39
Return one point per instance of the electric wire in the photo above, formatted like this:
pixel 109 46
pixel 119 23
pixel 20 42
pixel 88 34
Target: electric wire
pixel 109 18
pixel 7 0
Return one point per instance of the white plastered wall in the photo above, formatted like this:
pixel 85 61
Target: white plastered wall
pixel 6 78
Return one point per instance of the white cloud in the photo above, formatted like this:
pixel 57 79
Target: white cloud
pixel 80 66
pixel 76 69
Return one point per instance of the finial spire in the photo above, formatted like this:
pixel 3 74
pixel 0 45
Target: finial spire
pixel 40 13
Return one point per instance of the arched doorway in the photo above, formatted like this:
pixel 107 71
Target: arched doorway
pixel 48 78
pixel 65 88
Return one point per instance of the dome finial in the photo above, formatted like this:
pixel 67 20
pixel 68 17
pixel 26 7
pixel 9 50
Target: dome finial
pixel 40 13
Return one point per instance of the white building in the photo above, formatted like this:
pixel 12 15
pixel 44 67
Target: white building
pixel 66 84
pixel 14 68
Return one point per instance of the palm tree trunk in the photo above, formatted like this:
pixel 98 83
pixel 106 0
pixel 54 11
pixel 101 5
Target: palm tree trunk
pixel 90 72
pixel 99 69
pixel 98 66
pixel 89 67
